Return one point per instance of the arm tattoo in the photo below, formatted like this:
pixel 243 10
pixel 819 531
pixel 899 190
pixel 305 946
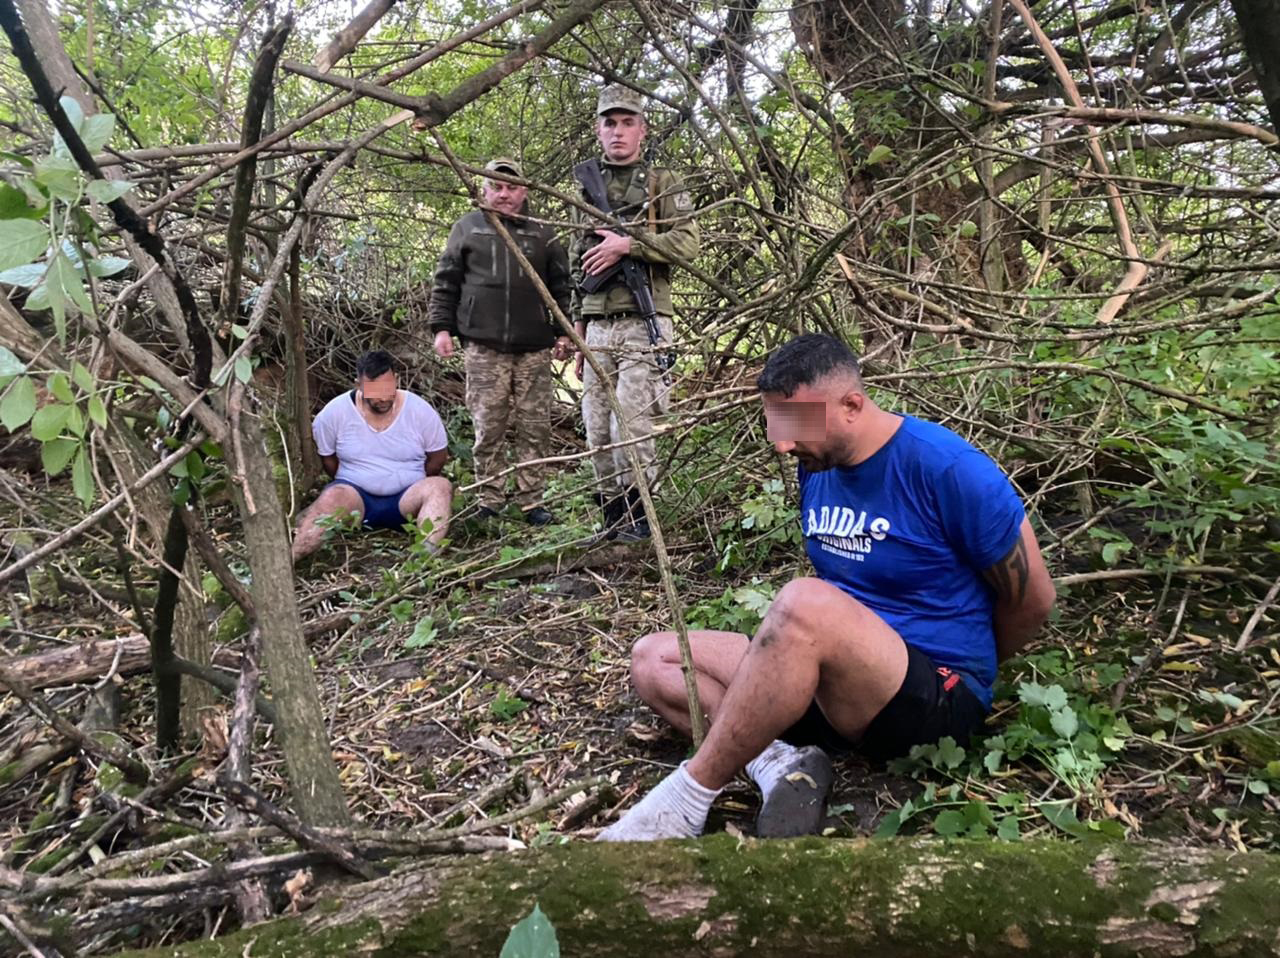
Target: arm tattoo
pixel 1009 576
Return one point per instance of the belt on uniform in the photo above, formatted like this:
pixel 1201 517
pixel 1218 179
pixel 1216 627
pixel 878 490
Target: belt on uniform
pixel 617 314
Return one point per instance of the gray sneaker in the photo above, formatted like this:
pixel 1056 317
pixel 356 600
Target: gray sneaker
pixel 795 805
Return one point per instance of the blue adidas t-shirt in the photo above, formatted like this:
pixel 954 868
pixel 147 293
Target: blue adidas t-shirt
pixel 908 533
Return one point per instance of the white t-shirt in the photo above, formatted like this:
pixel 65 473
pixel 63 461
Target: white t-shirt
pixel 380 463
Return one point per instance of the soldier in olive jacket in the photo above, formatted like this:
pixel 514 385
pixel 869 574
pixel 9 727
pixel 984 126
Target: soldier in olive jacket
pixel 659 231
pixel 483 296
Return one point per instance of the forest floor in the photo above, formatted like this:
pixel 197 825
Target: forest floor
pixel 467 685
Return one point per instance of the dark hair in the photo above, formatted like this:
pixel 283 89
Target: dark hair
pixel 805 360
pixel 375 363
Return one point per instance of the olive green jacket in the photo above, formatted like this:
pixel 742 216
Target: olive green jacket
pixel 674 237
pixel 481 293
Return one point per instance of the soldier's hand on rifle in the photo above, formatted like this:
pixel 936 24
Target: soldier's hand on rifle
pixel 562 348
pixel 603 256
pixel 444 344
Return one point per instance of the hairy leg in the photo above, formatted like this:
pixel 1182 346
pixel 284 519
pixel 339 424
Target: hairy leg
pixel 815 643
pixel 337 500
pixel 658 676
pixel 429 498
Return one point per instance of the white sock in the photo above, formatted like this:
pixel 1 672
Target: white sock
pixel 769 767
pixel 676 808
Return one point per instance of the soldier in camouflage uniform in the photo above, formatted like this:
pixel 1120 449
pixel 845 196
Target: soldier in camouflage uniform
pixel 659 230
pixel 483 296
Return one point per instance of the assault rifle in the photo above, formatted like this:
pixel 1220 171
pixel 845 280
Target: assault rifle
pixel 592 180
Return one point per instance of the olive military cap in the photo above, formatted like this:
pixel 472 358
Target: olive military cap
pixel 618 97
pixel 504 164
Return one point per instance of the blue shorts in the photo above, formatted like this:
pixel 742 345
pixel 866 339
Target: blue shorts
pixel 380 512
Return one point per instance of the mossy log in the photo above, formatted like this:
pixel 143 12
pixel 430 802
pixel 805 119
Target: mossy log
pixel 806 897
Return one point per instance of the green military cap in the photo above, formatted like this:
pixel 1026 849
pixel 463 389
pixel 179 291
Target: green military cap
pixel 618 97
pixel 504 164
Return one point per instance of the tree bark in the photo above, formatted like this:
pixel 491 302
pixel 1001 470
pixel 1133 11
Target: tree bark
pixel 317 792
pixel 807 897
pixel 1260 31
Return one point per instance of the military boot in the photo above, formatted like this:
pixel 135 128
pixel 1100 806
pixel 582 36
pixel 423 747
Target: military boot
pixel 615 513
pixel 635 526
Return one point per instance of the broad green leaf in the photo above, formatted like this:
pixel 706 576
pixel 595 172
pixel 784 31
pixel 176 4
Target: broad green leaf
pixel 10 365
pixel 82 477
pixel 879 154
pixel 195 465
pixel 24 276
pixel 81 376
pixel 61 388
pixel 75 421
pixel 62 271
pixel 950 822
pixel 96 131
pixel 18 405
pixel 424 633
pixel 950 755
pixel 244 368
pixel 48 421
pixel 21 241
pixel 108 265
pixel 1062 816
pixel 890 824
pixel 104 191
pixel 60 176
pixel 72 109
pixel 14 205
pixel 993 760
pixel 532 937
pixel 98 412
pixel 1065 722
pixel 1050 697
pixel 1008 829
pixel 55 454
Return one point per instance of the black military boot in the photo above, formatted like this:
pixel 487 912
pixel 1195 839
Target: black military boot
pixel 635 526
pixel 615 513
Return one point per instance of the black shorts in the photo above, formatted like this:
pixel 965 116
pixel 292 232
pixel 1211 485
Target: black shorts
pixel 932 703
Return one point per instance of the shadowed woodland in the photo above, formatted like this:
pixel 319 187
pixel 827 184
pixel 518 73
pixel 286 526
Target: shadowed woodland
pixel 1051 227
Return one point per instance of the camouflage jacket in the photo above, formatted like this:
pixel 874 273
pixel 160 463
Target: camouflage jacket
pixel 481 293
pixel 674 237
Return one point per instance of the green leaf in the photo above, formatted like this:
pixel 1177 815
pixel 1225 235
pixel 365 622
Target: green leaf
pixel 1008 829
pixel 108 265
pixel 55 454
pixel 879 154
pixel 60 386
pixel 890 824
pixel 1062 816
pixel 15 206
pixel 48 421
pixel 38 301
pixel 81 376
pixel 24 276
pixel 60 176
pixel 950 755
pixel 96 131
pixel 98 412
pixel 10 365
pixel 21 241
pixel 244 368
pixel 532 937
pixel 104 191
pixel 424 633
pixel 195 466
pixel 950 823
pixel 62 272
pixel 1065 722
pixel 72 109
pixel 18 405
pixel 75 421
pixel 82 478
pixel 1259 787
pixel 1051 697
pixel 993 760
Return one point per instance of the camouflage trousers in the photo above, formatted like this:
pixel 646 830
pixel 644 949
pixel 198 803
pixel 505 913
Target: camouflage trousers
pixel 622 348
pixel 509 394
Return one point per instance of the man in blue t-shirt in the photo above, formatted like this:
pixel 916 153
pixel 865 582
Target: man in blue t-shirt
pixel 928 573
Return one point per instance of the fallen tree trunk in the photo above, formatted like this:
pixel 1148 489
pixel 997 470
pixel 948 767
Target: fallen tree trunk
pixel 90 661
pixel 808 897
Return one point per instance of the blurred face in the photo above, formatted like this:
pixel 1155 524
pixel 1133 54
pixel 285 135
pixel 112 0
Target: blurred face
pixel 813 424
pixel 506 198
pixel 621 134
pixel 379 394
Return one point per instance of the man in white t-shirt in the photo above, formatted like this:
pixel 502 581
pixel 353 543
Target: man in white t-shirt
pixel 384 448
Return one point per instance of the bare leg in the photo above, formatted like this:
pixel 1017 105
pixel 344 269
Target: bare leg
pixel 429 498
pixel 339 500
pixel 815 643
